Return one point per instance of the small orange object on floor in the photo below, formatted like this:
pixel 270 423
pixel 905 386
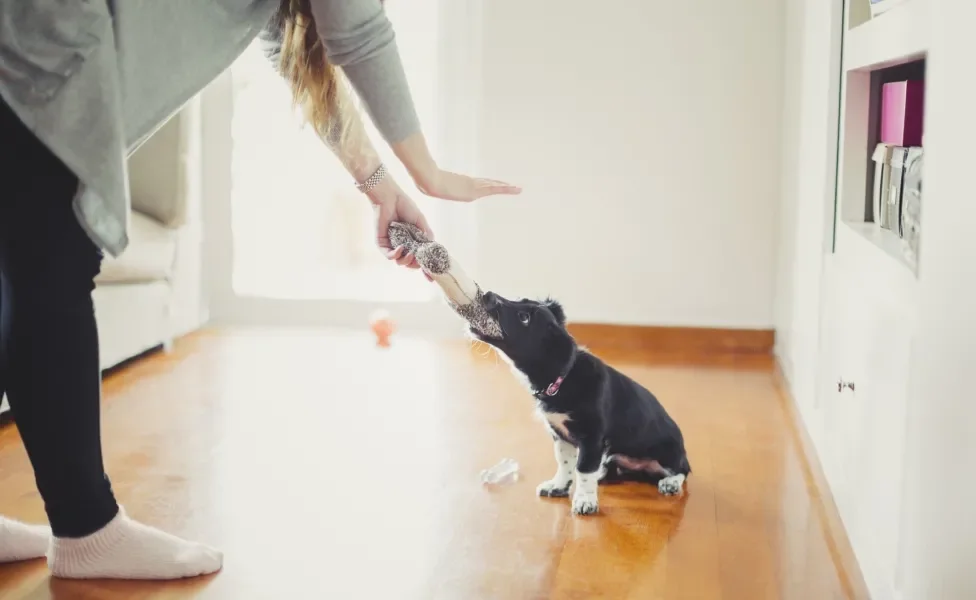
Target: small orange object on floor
pixel 383 327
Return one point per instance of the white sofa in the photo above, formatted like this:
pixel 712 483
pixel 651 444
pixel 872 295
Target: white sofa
pixel 152 293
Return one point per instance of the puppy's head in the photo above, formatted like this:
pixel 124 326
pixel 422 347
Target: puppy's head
pixel 530 329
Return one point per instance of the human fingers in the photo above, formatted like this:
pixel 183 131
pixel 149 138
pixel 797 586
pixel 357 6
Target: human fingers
pixel 406 260
pixel 421 222
pixel 403 258
pixel 491 187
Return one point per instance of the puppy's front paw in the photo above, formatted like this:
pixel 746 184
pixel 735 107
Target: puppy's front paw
pixel 554 488
pixel 671 486
pixel 585 504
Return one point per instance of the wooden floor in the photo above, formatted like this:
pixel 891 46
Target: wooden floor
pixel 326 467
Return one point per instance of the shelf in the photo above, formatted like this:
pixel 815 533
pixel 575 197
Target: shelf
pixel 884 240
pixel 899 35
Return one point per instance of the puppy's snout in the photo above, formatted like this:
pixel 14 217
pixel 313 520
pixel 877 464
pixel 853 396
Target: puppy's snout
pixel 491 300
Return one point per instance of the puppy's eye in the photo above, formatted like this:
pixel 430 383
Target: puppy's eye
pixel 524 317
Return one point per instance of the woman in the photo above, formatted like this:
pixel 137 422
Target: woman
pixel 81 87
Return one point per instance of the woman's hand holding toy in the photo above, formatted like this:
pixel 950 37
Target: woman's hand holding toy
pixel 390 203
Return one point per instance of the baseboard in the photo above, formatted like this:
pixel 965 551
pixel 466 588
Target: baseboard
pixel 848 570
pixel 675 340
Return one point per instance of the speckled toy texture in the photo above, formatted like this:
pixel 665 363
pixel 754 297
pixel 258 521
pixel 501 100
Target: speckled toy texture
pixel 463 294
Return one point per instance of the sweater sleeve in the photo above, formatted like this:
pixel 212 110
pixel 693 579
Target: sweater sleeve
pixel 359 39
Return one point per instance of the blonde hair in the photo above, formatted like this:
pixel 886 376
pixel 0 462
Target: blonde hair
pixel 317 86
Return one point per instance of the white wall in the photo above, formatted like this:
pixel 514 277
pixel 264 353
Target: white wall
pixel 925 548
pixel 940 493
pixel 836 322
pixel 647 139
pixel 809 146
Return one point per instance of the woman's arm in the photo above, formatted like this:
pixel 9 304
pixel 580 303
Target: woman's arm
pixel 359 157
pixel 354 149
pixel 358 38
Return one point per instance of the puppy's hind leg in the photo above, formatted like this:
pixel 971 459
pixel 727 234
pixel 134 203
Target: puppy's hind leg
pixel 673 484
pixel 558 486
pixel 611 473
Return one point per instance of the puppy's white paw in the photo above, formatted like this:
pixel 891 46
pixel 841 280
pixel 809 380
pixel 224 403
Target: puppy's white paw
pixel 585 504
pixel 584 497
pixel 554 488
pixel 671 486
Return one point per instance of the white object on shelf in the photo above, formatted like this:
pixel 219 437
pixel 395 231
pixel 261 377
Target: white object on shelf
pixel 911 205
pixel 882 176
pixel 892 207
pixel 898 35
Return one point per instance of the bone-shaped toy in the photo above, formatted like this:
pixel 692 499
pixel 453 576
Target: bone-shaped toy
pixel 463 294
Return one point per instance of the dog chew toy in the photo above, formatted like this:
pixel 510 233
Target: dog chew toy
pixel 463 295
pixel 505 471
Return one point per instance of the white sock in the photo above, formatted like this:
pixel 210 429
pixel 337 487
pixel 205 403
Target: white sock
pixel 20 541
pixel 124 549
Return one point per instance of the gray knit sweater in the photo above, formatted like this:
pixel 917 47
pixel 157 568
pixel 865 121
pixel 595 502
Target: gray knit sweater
pixel 94 78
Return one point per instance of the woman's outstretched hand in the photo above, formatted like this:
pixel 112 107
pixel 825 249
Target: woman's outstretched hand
pixel 390 203
pixel 448 185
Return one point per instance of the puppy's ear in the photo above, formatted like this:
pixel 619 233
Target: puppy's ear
pixel 557 311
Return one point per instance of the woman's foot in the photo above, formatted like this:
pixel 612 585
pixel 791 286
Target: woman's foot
pixel 20 541
pixel 124 549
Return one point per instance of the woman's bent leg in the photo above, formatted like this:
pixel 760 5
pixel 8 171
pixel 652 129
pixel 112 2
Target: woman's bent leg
pixel 49 358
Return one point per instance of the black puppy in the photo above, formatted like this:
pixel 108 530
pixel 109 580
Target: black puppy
pixel 605 426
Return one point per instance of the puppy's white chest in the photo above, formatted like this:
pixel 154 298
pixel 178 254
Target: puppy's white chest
pixel 557 421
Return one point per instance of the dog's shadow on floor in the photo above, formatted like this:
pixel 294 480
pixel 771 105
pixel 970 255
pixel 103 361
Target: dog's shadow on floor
pixel 633 508
pixel 626 540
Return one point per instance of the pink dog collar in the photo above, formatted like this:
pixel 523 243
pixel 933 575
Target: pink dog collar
pixel 553 388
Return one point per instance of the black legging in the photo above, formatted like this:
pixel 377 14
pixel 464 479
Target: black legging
pixel 48 341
